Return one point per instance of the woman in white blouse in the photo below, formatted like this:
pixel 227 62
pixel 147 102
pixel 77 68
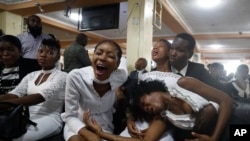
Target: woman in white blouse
pixel 240 86
pixel 93 88
pixel 43 91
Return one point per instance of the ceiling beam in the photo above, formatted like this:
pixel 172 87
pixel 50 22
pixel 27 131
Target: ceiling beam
pixel 225 50
pixel 222 36
pixel 29 8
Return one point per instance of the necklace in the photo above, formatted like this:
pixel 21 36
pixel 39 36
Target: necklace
pixel 9 79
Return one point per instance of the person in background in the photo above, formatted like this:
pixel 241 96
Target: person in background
pixel 240 86
pixel 140 68
pixel 94 88
pixel 217 72
pixel 13 66
pixel 181 51
pixel 43 91
pixel 76 55
pixel 31 40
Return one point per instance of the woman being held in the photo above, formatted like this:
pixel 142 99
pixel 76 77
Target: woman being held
pixel 94 88
pixel 138 120
pixel 13 66
pixel 43 91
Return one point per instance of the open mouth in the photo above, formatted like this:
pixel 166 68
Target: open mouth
pixel 154 53
pixel 101 69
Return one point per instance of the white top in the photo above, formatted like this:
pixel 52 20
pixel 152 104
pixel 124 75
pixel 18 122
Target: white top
pixel 52 90
pixel 241 92
pixel 30 44
pixel 81 96
pixel 194 100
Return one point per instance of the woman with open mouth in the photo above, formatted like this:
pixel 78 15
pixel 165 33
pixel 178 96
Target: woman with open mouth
pixel 93 88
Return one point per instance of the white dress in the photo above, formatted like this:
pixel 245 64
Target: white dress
pixel 81 96
pixel 47 113
pixel 196 102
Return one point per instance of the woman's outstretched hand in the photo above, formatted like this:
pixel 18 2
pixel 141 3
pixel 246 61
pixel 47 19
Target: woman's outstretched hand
pixel 93 125
pixel 133 130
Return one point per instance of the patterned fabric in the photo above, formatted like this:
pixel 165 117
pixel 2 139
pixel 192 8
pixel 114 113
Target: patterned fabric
pixel 9 79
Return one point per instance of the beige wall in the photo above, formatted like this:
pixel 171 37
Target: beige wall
pixel 11 23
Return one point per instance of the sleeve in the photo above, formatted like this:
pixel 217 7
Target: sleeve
pixel 56 84
pixel 72 97
pixel 83 57
pixel 22 87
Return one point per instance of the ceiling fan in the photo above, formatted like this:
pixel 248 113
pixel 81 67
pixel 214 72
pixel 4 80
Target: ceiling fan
pixel 39 4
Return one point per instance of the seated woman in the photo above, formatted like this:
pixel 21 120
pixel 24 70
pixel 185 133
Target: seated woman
pixel 43 91
pixel 13 66
pixel 181 101
pixel 240 87
pixel 94 88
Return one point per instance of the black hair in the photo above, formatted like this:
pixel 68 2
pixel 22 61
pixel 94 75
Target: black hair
pixel 118 48
pixel 34 16
pixel 137 90
pixel 13 40
pixel 52 44
pixel 242 67
pixel 143 59
pixel 217 65
pixel 189 38
pixel 82 39
pixel 166 42
pixel 52 36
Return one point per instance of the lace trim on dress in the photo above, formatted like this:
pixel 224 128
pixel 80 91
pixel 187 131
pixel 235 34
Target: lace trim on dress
pixel 48 71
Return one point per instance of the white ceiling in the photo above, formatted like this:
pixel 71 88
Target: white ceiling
pixel 227 24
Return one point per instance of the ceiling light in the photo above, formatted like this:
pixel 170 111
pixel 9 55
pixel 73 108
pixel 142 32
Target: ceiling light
pixel 75 17
pixel 216 46
pixel 208 3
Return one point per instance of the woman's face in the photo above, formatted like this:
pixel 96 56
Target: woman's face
pixel 9 54
pixel 47 57
pixel 152 103
pixel 160 51
pixel 105 60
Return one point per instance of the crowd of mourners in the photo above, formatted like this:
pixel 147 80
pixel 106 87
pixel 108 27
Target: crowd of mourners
pixel 95 99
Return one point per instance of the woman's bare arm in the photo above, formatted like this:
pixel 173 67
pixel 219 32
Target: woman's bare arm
pixel 27 100
pixel 212 94
pixel 4 97
pixel 154 132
